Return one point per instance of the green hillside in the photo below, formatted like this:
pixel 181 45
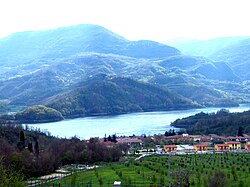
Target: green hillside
pixel 114 95
pixel 37 65
pixel 221 123
pixel 33 114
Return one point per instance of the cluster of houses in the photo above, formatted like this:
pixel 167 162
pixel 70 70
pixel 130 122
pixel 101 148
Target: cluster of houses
pixel 231 145
pixel 209 143
pixel 186 143
pixel 205 143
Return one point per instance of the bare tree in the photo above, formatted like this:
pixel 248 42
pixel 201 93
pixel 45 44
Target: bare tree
pixel 218 179
pixel 181 177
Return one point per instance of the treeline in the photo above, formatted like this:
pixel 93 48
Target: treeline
pixel 222 123
pixel 34 153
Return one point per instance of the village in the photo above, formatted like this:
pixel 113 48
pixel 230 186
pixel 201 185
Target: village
pixel 182 144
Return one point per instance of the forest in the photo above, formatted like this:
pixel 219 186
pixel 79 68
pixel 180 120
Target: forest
pixel 221 123
pixel 32 152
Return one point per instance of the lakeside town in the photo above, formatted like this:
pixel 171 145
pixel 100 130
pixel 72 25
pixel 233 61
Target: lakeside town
pixel 181 144
pixel 143 146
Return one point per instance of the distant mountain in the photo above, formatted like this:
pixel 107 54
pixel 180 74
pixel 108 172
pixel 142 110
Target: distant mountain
pixel 38 65
pixel 238 56
pixel 200 65
pixel 114 95
pixel 204 48
pixel 232 50
pixel 26 47
pixel 175 73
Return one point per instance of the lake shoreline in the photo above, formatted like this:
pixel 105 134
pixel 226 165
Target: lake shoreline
pixel 139 123
pixel 133 112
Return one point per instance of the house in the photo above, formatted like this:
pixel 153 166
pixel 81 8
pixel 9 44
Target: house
pixel 233 145
pixel 117 183
pixel 221 147
pixel 195 138
pixel 185 135
pixel 247 146
pixel 109 144
pixel 238 138
pixel 185 148
pixel 201 147
pixel 129 141
pixel 169 148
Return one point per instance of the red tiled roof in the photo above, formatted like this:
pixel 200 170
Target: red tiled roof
pixel 202 145
pixel 129 141
pixel 222 145
pixel 170 146
pixel 108 143
pixel 233 142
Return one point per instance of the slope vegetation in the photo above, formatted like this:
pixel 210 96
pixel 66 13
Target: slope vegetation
pixel 114 95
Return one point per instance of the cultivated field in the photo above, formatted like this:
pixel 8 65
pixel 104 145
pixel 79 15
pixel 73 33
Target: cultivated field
pixel 153 171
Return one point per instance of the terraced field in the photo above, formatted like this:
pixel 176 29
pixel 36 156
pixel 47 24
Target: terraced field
pixel 153 171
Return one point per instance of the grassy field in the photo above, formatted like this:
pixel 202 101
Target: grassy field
pixel 153 171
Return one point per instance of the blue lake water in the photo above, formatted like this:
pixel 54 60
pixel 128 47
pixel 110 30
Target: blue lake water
pixel 148 123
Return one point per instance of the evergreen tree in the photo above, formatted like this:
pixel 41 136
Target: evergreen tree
pixel 105 138
pixel 22 137
pixel 21 143
pixel 30 147
pixel 114 138
pixel 36 147
pixel 109 138
pixel 240 131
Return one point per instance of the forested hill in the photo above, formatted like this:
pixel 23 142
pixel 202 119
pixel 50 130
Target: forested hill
pixel 115 95
pixel 25 47
pixel 33 114
pixel 221 123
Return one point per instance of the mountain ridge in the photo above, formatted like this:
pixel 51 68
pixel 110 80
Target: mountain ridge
pixel 48 63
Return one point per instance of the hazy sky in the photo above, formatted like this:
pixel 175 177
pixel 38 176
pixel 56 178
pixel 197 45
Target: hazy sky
pixel 134 19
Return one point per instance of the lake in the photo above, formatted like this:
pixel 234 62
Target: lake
pixel 148 123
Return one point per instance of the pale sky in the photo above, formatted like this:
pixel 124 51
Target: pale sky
pixel 158 20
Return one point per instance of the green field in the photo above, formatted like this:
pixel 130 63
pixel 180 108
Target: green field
pixel 153 171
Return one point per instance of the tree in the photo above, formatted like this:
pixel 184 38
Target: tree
pixel 21 143
pixel 240 131
pixel 114 138
pixel 109 138
pixel 182 177
pixel 22 137
pixel 218 180
pixel 105 138
pixel 30 147
pixel 10 178
pixel 36 147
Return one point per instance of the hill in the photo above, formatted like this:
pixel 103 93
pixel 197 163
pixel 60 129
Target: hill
pixel 35 66
pixel 233 50
pixel 33 114
pixel 25 47
pixel 237 55
pixel 114 95
pixel 204 48
pixel 221 123
pixel 28 152
pixel 200 65
pixel 175 73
